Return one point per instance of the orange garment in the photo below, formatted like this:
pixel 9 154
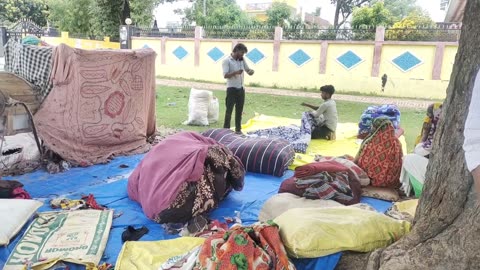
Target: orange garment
pixel 380 155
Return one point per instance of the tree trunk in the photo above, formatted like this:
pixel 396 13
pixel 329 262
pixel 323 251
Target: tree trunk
pixel 337 14
pixel 446 229
pixel 125 12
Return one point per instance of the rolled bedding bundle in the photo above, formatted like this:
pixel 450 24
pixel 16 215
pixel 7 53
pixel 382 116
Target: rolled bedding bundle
pixel 260 155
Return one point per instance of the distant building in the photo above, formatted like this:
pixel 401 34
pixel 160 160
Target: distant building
pixel 455 10
pixel 444 4
pixel 259 9
pixel 313 20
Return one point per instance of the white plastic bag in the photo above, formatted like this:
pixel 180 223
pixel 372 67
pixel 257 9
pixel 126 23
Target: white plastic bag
pixel 213 110
pixel 198 104
pixel 18 212
pixel 19 154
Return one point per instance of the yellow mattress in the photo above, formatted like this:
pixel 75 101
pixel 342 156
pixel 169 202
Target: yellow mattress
pixel 345 144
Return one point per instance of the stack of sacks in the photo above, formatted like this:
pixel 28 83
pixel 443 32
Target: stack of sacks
pixel 260 155
pixel 330 178
pixel 372 112
pixel 317 232
pixel 203 108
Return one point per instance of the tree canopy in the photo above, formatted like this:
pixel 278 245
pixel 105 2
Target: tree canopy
pixel 373 15
pixel 73 16
pixel 142 11
pixel 218 13
pixel 399 9
pixel 14 10
pixel 406 28
pixel 344 8
pixel 99 17
pixel 278 14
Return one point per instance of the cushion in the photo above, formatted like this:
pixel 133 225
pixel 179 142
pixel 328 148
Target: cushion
pixel 18 213
pixel 314 232
pixel 280 203
pixel 386 194
pixel 260 155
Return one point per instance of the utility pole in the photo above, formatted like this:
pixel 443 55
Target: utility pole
pixel 204 8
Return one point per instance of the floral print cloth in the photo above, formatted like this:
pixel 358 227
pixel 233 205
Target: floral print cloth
pixel 256 247
pixel 299 137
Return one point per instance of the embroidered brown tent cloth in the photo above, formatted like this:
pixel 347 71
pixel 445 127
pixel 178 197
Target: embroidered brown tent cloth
pixel 102 104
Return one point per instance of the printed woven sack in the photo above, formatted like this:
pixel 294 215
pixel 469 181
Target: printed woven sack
pixel 76 236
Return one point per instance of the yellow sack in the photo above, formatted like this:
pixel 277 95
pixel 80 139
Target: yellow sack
pixel 151 255
pixel 314 232
pixel 409 206
pixel 403 210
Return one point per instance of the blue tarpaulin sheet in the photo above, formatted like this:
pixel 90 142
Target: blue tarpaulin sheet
pixel 108 183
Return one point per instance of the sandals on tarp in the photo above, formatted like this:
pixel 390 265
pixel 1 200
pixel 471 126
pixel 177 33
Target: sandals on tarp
pixel 132 234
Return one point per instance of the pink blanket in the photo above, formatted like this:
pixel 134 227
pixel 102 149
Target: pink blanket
pixel 157 179
pixel 102 104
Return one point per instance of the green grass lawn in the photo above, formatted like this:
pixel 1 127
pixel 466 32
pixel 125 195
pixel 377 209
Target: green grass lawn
pixel 174 116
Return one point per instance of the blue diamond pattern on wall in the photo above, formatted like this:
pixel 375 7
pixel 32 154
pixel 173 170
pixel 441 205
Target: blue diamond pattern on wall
pixel 215 54
pixel 180 52
pixel 255 56
pixel 300 57
pixel 349 60
pixel 406 61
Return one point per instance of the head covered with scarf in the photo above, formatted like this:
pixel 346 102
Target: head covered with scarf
pixel 380 154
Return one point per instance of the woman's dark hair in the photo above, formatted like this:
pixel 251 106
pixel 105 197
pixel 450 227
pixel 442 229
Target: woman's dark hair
pixel 329 89
pixel 240 47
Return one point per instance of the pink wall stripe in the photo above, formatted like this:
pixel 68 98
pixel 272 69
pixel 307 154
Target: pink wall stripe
pixel 377 59
pixel 198 37
pixel 276 48
pixel 377 51
pixel 163 48
pixel 323 57
pixel 234 42
pixel 438 62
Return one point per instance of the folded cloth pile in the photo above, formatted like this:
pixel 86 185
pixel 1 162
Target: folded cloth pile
pixel 372 112
pixel 326 180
